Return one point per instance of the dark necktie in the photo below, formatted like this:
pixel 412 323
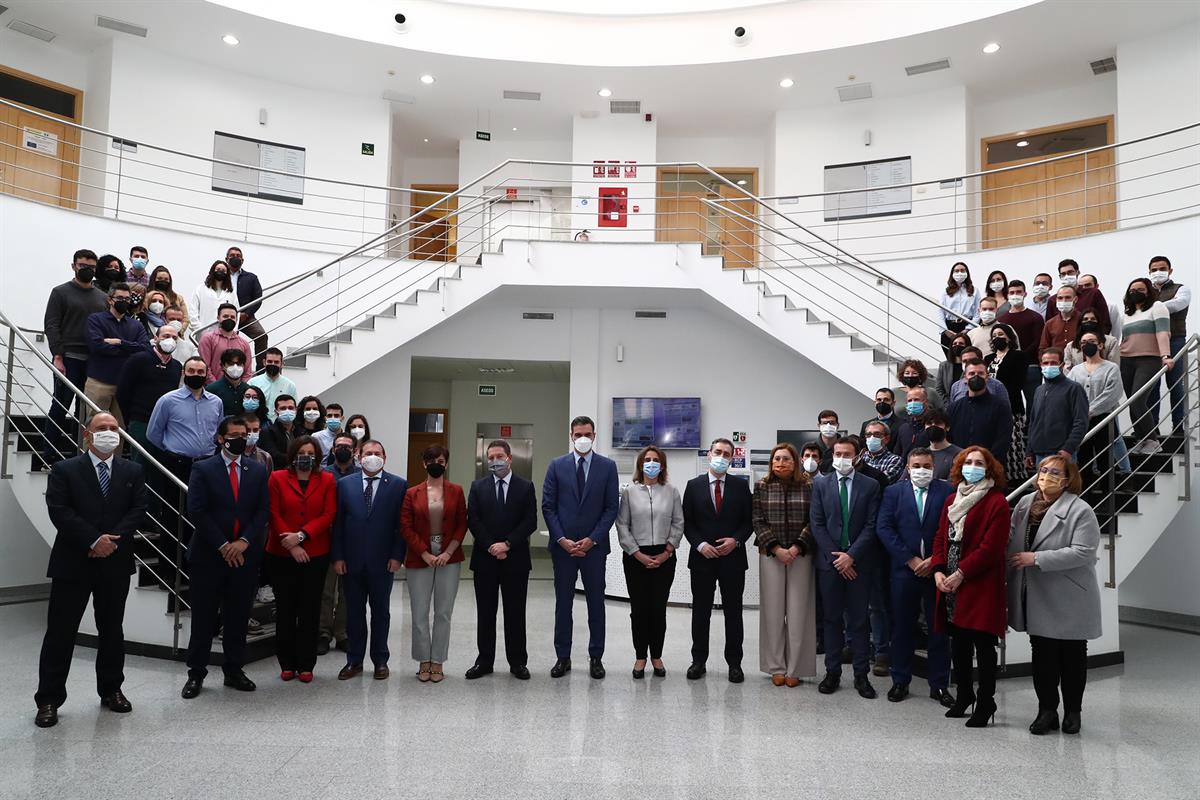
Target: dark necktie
pixel 102 474
pixel 500 494
pixel 717 495
pixel 369 494
pixel 580 477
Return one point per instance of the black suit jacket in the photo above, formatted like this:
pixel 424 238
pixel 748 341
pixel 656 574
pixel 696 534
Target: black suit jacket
pixel 275 439
pixel 80 514
pixel 514 523
pixel 212 510
pixel 701 523
pixel 249 290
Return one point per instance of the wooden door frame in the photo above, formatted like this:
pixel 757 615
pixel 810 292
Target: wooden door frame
pixel 451 211
pixel 663 171
pixel 70 169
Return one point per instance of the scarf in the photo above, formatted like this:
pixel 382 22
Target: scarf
pixel 156 320
pixel 965 498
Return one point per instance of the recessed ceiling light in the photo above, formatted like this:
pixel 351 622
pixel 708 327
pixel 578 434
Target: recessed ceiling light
pixel 605 92
pixel 514 128
pixel 742 182
pixel 991 47
pixel 1023 143
pixel 230 40
pixel 786 83
pixel 427 79
pixel 426 141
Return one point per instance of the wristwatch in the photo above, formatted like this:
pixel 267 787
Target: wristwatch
pixel 303 536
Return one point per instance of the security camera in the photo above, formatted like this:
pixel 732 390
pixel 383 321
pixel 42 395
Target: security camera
pixel 741 36
pixel 400 23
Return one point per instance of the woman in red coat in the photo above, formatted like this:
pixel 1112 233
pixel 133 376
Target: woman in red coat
pixel 969 569
pixel 303 501
pixel 433 521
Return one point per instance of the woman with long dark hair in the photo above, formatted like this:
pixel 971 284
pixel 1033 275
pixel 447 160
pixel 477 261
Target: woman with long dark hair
pixel 1145 348
pixel 1007 364
pixel 208 297
pixel 161 280
pixel 959 304
pixel 997 289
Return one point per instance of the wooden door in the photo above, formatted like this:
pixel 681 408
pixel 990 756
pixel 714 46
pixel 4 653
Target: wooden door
pixel 1101 192
pixel 434 231
pixel 680 219
pixel 738 235
pixel 1014 210
pixel 423 425
pixel 39 158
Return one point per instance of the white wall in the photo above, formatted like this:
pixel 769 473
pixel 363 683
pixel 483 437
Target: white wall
pixel 717 151
pixel 608 137
pixel 23 552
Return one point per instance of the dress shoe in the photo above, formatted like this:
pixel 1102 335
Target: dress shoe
pixel 777 679
pixel 117 703
pixel 596 668
pixel 350 671
pixel 696 672
pixel 520 672
pixel 898 692
pixel 305 677
pixel 239 681
pixel 477 671
pixel 47 716
pixel 943 696
pixel 961 706
pixel 322 646
pixel 736 675
pixel 638 674
pixel 287 674
pixel 1046 721
pixel 1071 722
pixel 985 710
pixel 381 672
pixel 882 667
pixel 829 684
pixel 192 688
pixel 560 668
pixel 791 682
pixel 863 685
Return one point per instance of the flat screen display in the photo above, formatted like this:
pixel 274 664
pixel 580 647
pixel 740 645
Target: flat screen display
pixel 662 421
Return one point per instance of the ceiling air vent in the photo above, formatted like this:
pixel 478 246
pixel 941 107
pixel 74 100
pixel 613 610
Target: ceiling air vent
pixel 21 26
pixel 932 66
pixel 512 94
pixel 624 106
pixel 649 315
pixel 122 27
pixel 855 91
pixel 1104 65
pixel 537 315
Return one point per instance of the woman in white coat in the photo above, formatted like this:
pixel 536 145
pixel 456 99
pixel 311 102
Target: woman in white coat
pixel 208 297
pixel 1053 593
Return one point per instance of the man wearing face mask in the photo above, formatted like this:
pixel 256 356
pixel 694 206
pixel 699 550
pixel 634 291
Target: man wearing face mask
pixel 937 433
pixel 501 515
pixel 113 336
pixel 341 457
pixel 184 349
pixel 580 498
pixel 232 384
pixel 845 504
pixel 253 431
pixel 981 334
pixel 827 428
pixel 718 518
pixel 229 506
pixel 879 455
pixel 272 381
pixel 887 413
pixel 958 389
pixel 1028 325
pixel 96 501
pixel 810 458
pixel 145 378
pixel 908 521
pixel 278 437
pixel 139 257
pixel 981 418
pixel 1086 297
pixel 334 414
pixel 1059 414
pixel 1062 326
pixel 1088 281
pixel 1177 298
pixel 1040 299
pixel 65 322
pixel 249 292
pixel 224 336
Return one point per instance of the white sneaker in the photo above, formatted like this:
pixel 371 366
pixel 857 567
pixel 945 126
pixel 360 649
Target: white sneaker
pixel 1150 447
pixel 265 595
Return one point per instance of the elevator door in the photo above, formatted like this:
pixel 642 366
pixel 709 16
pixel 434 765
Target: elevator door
pixel 519 438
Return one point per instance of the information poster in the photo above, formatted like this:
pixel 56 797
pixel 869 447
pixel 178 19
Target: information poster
pixel 868 189
pixel 250 157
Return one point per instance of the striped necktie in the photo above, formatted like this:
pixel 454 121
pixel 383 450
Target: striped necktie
pixel 103 474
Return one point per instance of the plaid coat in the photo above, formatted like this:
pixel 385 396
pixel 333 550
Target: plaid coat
pixel 780 515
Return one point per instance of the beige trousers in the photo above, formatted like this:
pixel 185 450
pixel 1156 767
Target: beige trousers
pixel 787 621
pixel 103 395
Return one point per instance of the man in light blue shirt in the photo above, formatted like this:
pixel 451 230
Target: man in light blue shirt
pixel 185 421
pixel 271 380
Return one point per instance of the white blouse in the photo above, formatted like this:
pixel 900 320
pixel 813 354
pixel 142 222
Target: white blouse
pixel 203 307
pixel 961 302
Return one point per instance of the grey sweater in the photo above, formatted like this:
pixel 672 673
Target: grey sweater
pixel 1058 417
pixel 66 318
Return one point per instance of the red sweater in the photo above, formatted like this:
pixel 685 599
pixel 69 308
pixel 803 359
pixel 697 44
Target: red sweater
pixel 414 522
pixel 311 510
pixel 981 603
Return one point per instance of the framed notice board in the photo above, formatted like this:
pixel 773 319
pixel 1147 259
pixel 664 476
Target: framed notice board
pixel 868 189
pixel 251 156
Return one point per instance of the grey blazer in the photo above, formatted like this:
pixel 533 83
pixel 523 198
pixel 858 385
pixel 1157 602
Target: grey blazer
pixel 649 515
pixel 1058 597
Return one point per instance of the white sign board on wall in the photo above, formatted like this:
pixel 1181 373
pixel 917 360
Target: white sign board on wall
pixel 251 157
pixel 868 189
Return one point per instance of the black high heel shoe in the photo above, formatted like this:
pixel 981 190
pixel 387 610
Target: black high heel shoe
pixel 659 672
pixel 638 674
pixel 985 710
pixel 960 707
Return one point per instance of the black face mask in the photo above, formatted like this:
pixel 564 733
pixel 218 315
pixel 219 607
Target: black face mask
pixel 194 381
pixel 304 463
pixel 228 325
pixel 220 276
pixel 162 286
pixel 976 383
pixel 1000 345
pixel 956 351
pixel 235 262
pixel 86 274
pixel 435 470
pixel 1089 326
pixel 882 408
pixel 935 434
pixel 112 274
pixel 273 369
pixel 1135 298
pixel 235 446
pixel 342 454
pixel 911 380
pixel 1090 349
pixel 121 306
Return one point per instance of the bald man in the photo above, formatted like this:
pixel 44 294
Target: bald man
pixel 96 501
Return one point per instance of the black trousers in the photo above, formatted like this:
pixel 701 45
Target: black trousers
pixel 298 588
pixel 732 579
pixel 61 434
pixel 108 588
pixel 225 595
pixel 649 591
pixel 493 583
pixel 1055 662
pixel 845 608
pixel 1095 456
pixel 965 644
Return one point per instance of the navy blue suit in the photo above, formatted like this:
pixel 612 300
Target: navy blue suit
pixel 574 516
pixel 845 602
pixel 906 535
pixel 217 587
pixel 366 542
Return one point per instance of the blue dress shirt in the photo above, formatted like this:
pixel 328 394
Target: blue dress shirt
pixel 183 425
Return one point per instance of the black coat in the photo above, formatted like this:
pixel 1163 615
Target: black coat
pixel 701 523
pixel 514 523
pixel 249 290
pixel 80 513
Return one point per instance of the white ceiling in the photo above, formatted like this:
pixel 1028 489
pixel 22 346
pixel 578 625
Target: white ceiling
pixel 1044 46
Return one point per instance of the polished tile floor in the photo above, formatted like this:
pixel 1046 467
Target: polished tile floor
pixel 579 738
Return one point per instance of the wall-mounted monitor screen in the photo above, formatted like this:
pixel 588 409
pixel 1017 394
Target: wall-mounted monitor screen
pixel 662 421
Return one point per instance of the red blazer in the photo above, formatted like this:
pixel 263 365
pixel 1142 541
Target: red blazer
pixel 982 600
pixel 311 511
pixel 414 522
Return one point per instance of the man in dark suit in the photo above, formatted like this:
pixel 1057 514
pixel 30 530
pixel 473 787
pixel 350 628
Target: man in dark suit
pixel 367 550
pixel 580 498
pixel 96 501
pixel 717 523
pixel 249 291
pixel 228 505
pixel 908 520
pixel 845 503
pixel 502 515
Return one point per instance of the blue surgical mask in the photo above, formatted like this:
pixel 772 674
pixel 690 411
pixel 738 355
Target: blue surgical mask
pixel 914 407
pixel 718 464
pixel 250 404
pixel 137 263
pixel 651 469
pixel 333 424
pixel 1050 373
pixel 498 467
pixel 973 474
pixel 874 444
pixel 288 416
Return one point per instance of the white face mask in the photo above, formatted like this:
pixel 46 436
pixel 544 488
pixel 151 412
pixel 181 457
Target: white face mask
pixel 843 466
pixel 106 441
pixel 312 415
pixel 920 476
pixel 1066 306
pixel 1068 280
pixel 583 445
pixel 959 277
pixel 828 430
pixel 177 324
pixel 1159 277
pixel 810 465
pixel 167 345
pixel 1040 290
pixel 1016 300
pixel 372 463
pixel 235 371
pixel 252 438
pixel 358 432
pixel 156 307
pixel 996 286
pixel 986 317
